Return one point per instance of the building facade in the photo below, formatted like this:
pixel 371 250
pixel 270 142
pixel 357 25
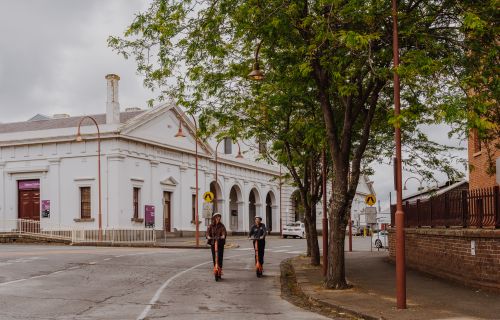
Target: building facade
pixel 480 167
pixel 147 173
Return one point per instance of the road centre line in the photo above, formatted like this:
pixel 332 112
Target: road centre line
pixel 160 290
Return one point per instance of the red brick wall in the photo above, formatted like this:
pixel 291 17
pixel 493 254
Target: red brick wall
pixel 446 253
pixel 478 177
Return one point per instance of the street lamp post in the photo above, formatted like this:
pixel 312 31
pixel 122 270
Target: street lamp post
pixel 79 139
pixel 325 220
pixel 180 134
pixel 399 215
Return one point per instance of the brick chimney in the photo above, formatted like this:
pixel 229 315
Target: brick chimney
pixel 112 104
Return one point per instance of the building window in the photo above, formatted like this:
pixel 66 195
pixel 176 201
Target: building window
pixel 477 141
pixel 193 208
pixel 136 202
pixel 85 203
pixel 228 146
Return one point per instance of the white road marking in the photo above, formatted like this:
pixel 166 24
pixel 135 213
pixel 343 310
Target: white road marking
pixel 93 262
pixel 243 249
pixel 295 252
pixel 279 251
pixel 284 247
pixel 158 293
pixel 107 259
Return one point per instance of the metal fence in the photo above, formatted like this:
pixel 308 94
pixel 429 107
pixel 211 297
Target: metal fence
pixel 139 235
pixel 463 208
pixel 78 235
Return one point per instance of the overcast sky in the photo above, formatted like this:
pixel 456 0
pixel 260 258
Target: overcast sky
pixel 54 56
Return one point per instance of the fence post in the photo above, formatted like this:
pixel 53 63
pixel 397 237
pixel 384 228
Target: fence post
pixel 465 208
pixel 418 213
pixel 431 200
pixel 446 213
pixel 496 204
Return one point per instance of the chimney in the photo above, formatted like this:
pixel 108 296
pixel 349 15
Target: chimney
pixel 112 104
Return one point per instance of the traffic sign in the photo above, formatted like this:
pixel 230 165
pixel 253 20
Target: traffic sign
pixel 208 196
pixel 370 199
pixel 208 209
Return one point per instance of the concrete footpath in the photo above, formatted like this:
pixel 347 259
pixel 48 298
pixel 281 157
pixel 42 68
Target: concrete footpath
pixel 373 292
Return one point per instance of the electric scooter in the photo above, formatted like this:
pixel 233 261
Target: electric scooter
pixel 217 268
pixel 258 267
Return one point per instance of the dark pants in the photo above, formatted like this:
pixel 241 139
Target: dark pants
pixel 262 248
pixel 220 252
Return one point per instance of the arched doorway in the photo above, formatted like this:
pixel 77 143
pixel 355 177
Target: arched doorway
pixel 235 202
pixel 298 211
pixel 270 205
pixel 253 203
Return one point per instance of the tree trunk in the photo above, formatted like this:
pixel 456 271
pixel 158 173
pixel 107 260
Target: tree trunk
pixel 308 234
pixel 314 245
pixel 335 278
pixel 336 260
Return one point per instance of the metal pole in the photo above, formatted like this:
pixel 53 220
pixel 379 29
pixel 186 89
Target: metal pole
pixel 281 214
pixel 216 177
pixel 197 233
pixel 99 175
pixel 400 233
pixel 350 232
pixel 325 220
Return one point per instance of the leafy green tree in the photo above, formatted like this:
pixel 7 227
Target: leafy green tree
pixel 334 56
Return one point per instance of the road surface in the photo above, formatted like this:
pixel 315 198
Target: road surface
pixel 64 282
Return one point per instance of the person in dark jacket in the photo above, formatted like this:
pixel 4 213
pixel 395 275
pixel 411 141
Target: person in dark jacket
pixel 217 232
pixel 258 234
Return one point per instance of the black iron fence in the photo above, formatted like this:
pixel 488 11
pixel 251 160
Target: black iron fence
pixel 462 208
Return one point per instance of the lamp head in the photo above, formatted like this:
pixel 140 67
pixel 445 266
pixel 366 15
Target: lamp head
pixel 256 73
pixel 79 137
pixel 239 155
pixel 179 133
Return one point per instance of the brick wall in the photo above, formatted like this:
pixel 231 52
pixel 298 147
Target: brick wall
pixel 446 253
pixel 478 177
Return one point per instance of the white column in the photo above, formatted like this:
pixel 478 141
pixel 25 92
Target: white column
pixel 3 209
pixel 185 200
pixel 114 213
pixel 54 191
pixel 155 195
pixel 245 213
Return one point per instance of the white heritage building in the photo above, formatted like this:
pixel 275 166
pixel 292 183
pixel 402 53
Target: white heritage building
pixel 47 175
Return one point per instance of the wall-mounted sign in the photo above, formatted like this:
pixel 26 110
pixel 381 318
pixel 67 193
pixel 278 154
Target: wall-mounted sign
pixel 149 216
pixel 29 184
pixel 45 208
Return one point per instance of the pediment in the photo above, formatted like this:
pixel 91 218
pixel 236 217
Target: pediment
pixel 160 125
pixel 170 181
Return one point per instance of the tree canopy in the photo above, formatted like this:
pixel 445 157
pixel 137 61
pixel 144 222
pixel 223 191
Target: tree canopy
pixel 329 62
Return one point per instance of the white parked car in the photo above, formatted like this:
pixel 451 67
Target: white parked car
pixel 294 229
pixel 380 239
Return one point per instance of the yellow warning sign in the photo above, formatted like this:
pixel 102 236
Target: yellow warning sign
pixel 370 199
pixel 208 196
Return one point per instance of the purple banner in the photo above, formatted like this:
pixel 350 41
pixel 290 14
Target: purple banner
pixel 29 184
pixel 45 208
pixel 149 216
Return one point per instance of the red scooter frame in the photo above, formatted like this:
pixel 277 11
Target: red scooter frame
pixel 217 268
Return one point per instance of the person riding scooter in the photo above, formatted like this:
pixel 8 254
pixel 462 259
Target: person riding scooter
pixel 216 235
pixel 258 234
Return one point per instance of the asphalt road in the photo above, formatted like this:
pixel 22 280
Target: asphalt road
pixel 63 282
